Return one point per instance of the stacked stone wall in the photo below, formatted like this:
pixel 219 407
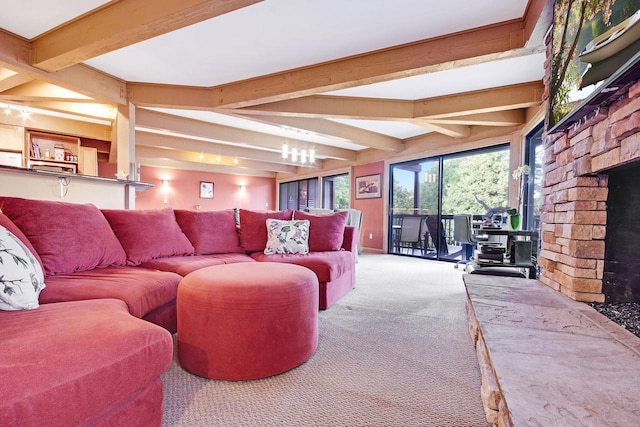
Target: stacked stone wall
pixel 574 199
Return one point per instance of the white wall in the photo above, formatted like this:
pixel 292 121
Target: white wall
pixel 105 194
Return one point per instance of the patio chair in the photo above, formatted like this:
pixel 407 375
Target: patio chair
pixel 463 234
pixel 411 234
pixel 437 234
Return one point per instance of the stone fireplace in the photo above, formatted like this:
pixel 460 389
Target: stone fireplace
pixel 591 207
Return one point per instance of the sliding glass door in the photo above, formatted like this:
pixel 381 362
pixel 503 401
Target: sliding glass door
pixel 414 202
pixel 427 193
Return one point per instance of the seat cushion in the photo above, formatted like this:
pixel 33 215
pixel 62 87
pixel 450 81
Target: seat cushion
pixel 210 232
pixel 184 265
pixel 148 234
pixel 68 236
pixel 141 289
pixel 326 265
pixel 62 363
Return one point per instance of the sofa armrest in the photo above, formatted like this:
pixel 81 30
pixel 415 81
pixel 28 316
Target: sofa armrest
pixel 351 239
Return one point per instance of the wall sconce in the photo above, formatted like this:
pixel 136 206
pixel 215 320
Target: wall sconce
pixel 242 188
pixel 165 190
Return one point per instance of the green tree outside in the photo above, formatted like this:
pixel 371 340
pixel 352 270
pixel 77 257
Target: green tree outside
pixel 484 175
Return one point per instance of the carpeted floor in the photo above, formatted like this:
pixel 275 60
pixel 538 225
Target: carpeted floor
pixel 394 352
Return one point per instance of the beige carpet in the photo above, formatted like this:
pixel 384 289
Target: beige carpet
pixel 394 352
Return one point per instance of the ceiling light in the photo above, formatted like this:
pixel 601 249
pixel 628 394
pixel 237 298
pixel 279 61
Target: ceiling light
pixel 25 113
pixel 7 109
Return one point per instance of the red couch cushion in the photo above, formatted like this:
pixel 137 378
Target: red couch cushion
pixel 141 289
pixel 253 227
pixel 184 265
pixel 328 266
pixel 210 232
pixel 9 225
pixel 326 232
pixel 148 234
pixel 68 236
pixel 63 363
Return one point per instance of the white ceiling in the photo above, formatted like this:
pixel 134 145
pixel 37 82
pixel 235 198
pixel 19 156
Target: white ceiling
pixel 278 35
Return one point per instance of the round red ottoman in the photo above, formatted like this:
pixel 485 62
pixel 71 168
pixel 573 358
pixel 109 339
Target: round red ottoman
pixel 247 320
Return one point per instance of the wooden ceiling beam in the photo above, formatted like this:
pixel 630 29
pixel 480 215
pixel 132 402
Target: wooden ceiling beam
pixel 170 96
pixel 482 101
pixel 211 150
pixel 454 131
pixel 483 105
pixel 166 162
pixel 325 106
pixel 498 118
pixel 373 67
pixel 61 125
pixel 102 112
pixel 119 24
pixel 197 128
pixel 327 127
pixel 15 55
pixel 37 89
pixel 14 81
pixel 194 157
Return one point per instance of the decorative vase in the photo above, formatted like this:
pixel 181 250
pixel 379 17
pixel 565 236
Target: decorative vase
pixel 514 221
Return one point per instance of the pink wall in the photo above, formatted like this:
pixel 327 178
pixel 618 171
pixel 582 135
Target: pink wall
pixel 183 189
pixel 372 209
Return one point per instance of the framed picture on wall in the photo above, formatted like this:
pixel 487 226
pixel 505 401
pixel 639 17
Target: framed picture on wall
pixel 206 190
pixel 368 187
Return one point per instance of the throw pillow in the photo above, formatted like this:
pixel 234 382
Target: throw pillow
pixel 21 276
pixel 287 237
pixel 253 230
pixel 326 232
pixel 68 237
pixel 210 232
pixel 148 234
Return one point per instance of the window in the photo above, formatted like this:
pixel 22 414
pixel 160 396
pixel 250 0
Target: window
pixel 534 155
pixel 299 194
pixel 335 191
pixel 436 189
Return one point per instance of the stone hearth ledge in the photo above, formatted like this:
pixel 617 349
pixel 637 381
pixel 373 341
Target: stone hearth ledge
pixel 547 360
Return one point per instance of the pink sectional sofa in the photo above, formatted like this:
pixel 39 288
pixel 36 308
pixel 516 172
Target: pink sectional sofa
pixel 102 334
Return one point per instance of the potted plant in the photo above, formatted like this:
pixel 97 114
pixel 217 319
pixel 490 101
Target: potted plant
pixel 514 214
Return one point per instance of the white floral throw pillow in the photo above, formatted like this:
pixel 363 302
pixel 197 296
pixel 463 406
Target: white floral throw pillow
pixel 21 276
pixel 287 237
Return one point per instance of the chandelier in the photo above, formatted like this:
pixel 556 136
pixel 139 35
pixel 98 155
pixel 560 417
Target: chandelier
pixel 303 155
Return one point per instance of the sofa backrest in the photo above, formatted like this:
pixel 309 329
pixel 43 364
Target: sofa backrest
pixel 148 234
pixel 210 232
pixel 68 237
